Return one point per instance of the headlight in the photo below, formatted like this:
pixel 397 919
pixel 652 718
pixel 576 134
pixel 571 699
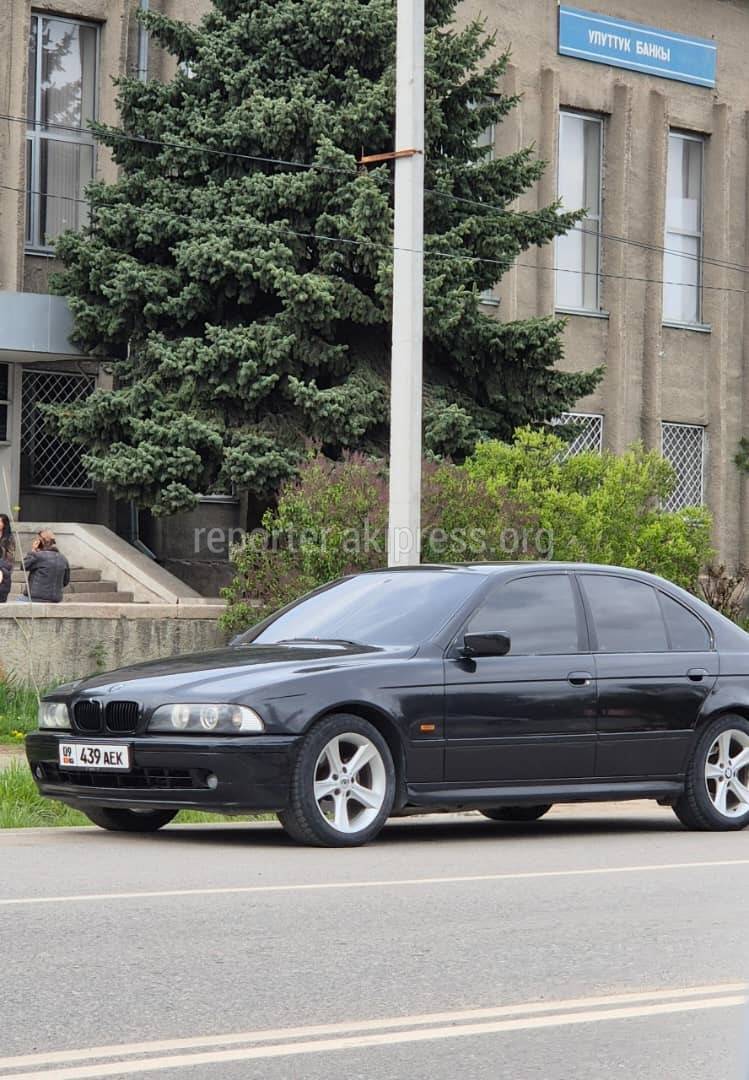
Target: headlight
pixel 205 719
pixel 53 714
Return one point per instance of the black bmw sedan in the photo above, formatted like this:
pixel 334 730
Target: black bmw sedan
pixel 500 688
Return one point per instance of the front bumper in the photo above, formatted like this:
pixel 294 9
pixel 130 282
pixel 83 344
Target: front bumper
pixel 230 775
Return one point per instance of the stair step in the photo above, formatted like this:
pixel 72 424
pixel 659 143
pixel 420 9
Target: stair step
pixel 75 587
pixel 98 598
pixel 91 586
pixel 77 573
pixel 82 573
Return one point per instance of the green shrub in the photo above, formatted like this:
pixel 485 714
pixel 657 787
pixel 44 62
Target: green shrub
pixel 332 520
pixel 524 499
pixel 600 507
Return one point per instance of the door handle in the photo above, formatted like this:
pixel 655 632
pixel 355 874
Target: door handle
pixel 580 678
pixel 697 674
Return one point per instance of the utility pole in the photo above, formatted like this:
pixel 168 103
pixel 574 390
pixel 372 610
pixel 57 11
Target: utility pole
pixel 408 291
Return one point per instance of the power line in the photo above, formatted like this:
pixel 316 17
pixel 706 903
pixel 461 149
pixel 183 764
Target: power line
pixel 450 255
pixel 143 140
pixel 45 194
pixel 722 264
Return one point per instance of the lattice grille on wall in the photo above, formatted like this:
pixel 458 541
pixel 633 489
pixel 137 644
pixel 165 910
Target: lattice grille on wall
pixel 588 429
pixel 52 462
pixel 684 446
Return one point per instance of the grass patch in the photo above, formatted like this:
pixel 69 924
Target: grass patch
pixel 18 708
pixel 22 807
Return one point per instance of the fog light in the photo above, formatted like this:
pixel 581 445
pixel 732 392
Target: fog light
pixel 39 772
pixel 211 781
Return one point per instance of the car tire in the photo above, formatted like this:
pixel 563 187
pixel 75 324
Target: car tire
pixel 517 813
pixel 136 821
pixel 716 784
pixel 324 798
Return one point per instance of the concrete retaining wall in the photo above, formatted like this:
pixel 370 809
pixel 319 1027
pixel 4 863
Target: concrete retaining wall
pixel 40 645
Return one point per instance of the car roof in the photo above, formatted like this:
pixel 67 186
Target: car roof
pixel 532 566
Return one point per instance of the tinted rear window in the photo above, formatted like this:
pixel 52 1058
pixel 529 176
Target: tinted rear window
pixel 626 614
pixel 400 608
pixel 686 631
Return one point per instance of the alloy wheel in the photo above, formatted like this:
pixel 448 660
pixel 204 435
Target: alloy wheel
pixel 350 782
pixel 727 773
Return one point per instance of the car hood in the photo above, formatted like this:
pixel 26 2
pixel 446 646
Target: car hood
pixel 234 670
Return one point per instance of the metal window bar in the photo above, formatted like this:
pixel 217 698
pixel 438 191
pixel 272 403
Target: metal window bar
pixel 683 445
pixel 52 462
pixel 588 429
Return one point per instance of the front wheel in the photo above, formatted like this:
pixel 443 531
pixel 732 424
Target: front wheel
pixel 716 785
pixel 343 784
pixel 135 821
pixel 517 813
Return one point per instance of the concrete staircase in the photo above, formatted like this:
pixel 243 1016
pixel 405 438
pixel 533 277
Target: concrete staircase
pixel 107 570
pixel 86 586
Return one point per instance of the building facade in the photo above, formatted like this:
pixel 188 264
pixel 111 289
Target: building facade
pixel 57 67
pixel 641 112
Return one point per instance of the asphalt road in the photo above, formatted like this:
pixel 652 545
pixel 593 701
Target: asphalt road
pixel 600 942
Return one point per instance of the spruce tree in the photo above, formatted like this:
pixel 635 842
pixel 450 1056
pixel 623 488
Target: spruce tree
pixel 245 303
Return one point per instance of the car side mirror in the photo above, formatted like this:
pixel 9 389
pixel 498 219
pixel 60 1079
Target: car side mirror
pixel 492 643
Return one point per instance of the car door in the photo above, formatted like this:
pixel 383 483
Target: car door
pixel 655 664
pixel 529 715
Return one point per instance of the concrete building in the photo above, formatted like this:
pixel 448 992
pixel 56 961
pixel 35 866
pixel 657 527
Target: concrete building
pixel 57 66
pixel 645 125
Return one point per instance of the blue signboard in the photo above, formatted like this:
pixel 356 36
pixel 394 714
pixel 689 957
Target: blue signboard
pixel 607 40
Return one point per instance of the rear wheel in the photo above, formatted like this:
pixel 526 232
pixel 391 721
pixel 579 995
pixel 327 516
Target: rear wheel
pixel 716 787
pixel 517 813
pixel 138 821
pixel 342 786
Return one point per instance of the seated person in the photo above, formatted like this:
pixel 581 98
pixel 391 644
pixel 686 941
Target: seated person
pixel 47 570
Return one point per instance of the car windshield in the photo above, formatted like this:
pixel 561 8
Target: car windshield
pixel 374 609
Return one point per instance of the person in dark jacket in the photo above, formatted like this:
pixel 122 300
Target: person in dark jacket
pixel 6 576
pixel 7 539
pixel 47 570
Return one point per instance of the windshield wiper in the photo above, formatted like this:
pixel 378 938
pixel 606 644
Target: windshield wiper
pixel 317 641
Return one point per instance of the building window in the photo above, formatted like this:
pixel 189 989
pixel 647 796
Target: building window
pixel 578 252
pixel 485 142
pixel 585 430
pixel 59 149
pixel 682 265
pixel 4 403
pixel 683 445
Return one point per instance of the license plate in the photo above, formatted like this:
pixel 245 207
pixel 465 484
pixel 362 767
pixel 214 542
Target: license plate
pixel 78 755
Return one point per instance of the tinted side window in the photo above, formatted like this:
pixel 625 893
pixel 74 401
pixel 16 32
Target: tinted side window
pixel 687 632
pixel 626 614
pixel 537 612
